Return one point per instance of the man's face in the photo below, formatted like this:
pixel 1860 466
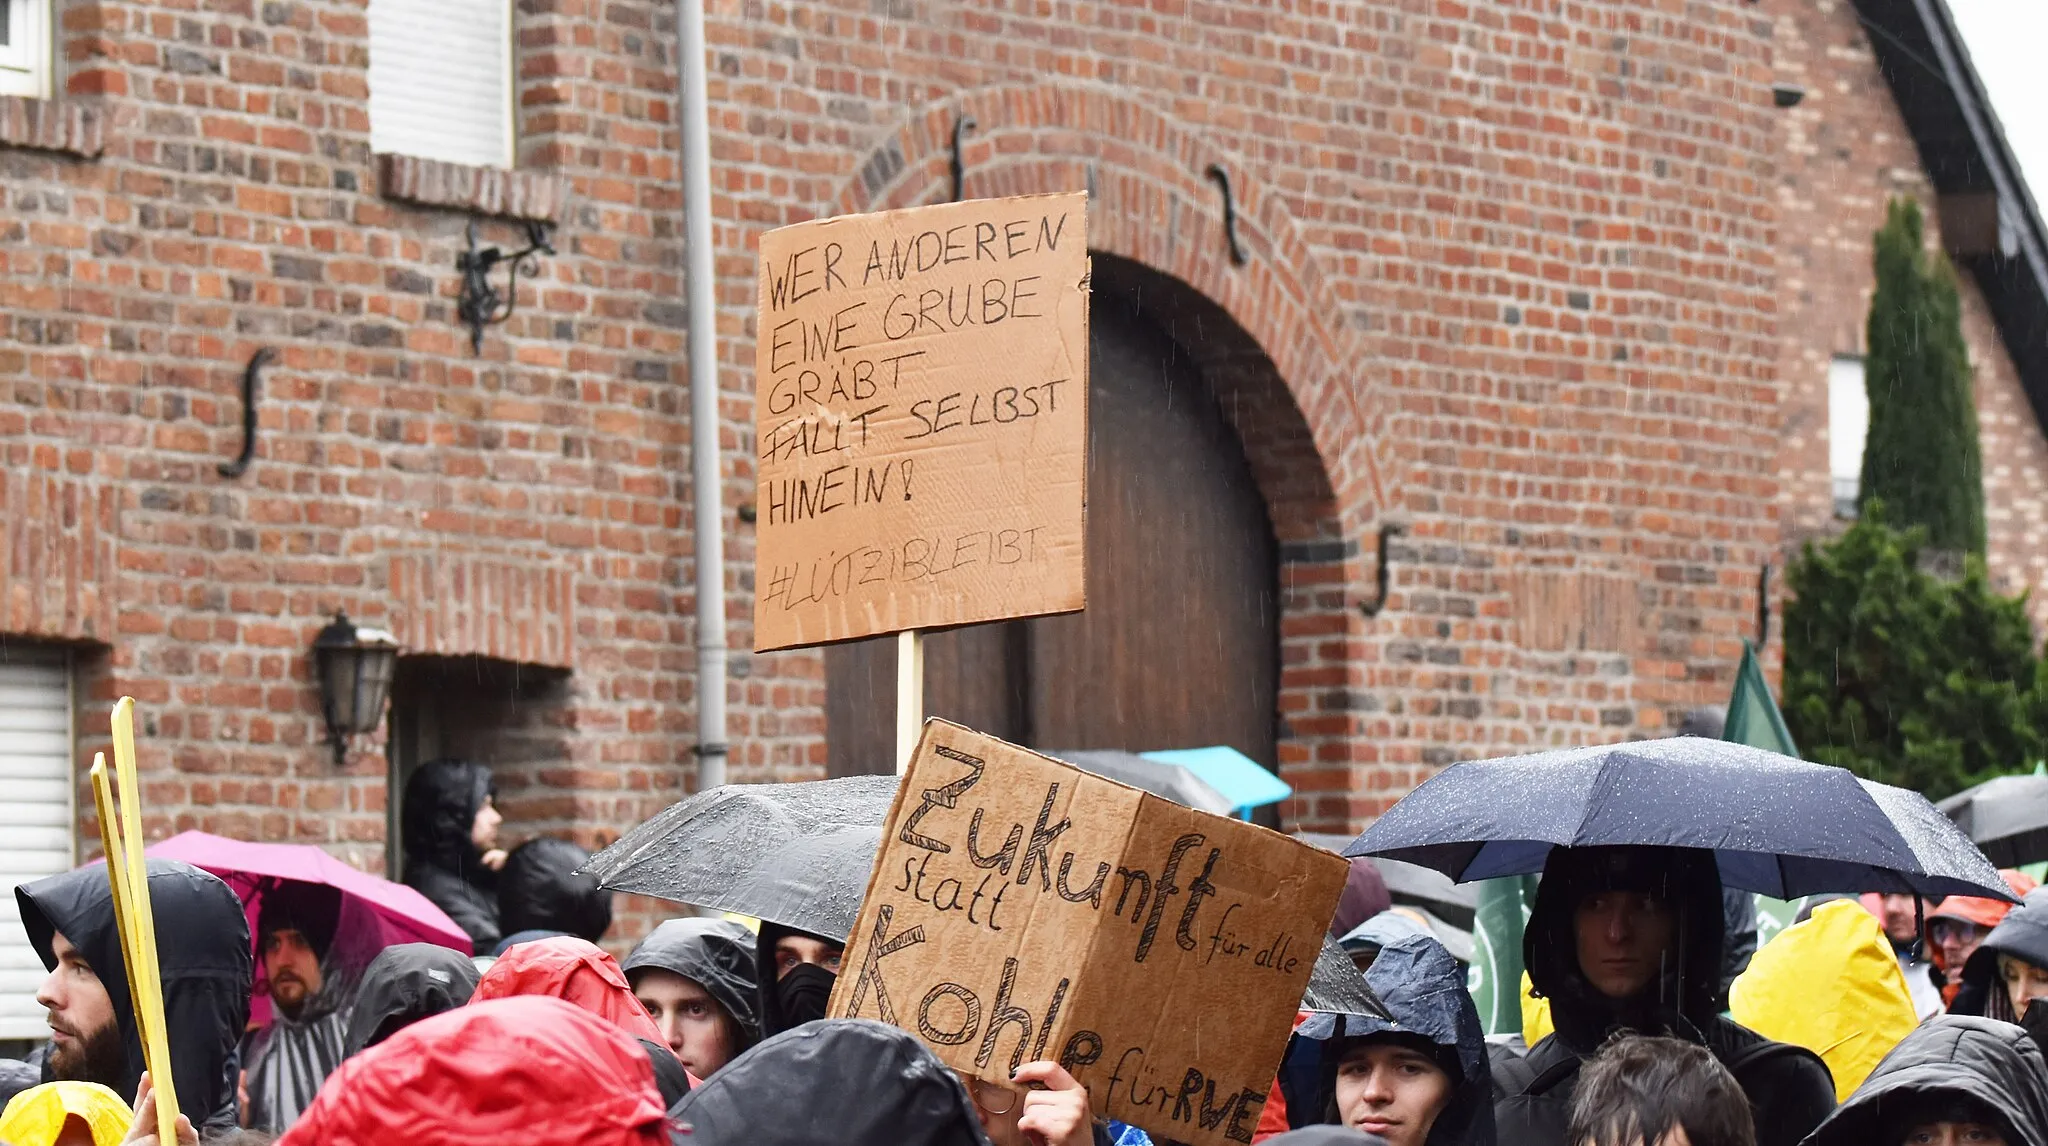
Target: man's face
pixel 1900 925
pixel 292 967
pixel 691 1021
pixel 791 950
pixel 483 830
pixel 85 1040
pixel 1624 938
pixel 1957 940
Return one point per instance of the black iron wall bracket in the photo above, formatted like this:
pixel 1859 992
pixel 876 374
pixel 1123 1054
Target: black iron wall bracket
pixel 1222 179
pixel 252 381
pixel 958 163
pixel 1372 608
pixel 478 304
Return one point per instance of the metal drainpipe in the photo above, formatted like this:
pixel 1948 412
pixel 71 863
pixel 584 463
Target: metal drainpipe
pixel 704 415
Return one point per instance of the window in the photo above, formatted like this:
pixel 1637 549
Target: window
pixel 36 817
pixel 441 80
pixel 1848 425
pixel 25 48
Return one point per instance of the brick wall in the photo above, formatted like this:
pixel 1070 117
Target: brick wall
pixel 1513 285
pixel 1846 154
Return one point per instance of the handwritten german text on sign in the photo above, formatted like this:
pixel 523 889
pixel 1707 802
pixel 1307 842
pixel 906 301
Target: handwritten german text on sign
pixel 1023 909
pixel 921 419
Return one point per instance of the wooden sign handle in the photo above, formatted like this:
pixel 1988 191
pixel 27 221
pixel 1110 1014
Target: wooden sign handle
pixel 909 695
pixel 128 882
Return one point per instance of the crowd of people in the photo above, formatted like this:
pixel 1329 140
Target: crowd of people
pixel 710 1031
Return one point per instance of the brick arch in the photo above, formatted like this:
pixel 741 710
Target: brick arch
pixel 1151 203
pixel 1284 367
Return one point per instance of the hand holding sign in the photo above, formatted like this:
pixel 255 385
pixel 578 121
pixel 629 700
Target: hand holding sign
pixel 1023 909
pixel 1057 1115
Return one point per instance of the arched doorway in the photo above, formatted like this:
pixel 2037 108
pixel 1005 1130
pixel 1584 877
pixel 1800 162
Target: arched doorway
pixel 1179 644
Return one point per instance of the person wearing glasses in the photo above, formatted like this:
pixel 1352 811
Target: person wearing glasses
pixel 1046 1107
pixel 1961 924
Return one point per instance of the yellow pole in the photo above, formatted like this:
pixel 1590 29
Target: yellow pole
pixel 128 878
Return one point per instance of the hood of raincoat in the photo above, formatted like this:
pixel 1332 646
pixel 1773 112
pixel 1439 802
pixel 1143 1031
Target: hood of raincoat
pixel 36 1116
pixel 849 1082
pixel 1423 988
pixel 203 959
pixel 575 970
pixel 715 954
pixel 1365 895
pixel 1326 1136
pixel 2022 934
pixel 441 802
pixel 1833 986
pixel 1684 999
pixel 1992 1064
pixel 539 890
pixel 489 1074
pixel 789 1001
pixel 404 984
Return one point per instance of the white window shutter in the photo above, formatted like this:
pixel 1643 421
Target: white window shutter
pixel 441 80
pixel 25 54
pixel 35 822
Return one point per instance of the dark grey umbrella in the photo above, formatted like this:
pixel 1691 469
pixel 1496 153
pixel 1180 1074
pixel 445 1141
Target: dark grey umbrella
pixel 1336 984
pixel 795 854
pixel 2006 817
pixel 1777 825
pixel 1171 781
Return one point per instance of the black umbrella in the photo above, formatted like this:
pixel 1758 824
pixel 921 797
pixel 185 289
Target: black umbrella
pixel 1776 825
pixel 1336 984
pixel 795 854
pixel 2007 817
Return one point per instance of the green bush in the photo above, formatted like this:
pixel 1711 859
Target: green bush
pixel 1905 677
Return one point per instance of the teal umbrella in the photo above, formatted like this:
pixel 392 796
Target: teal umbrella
pixel 1245 782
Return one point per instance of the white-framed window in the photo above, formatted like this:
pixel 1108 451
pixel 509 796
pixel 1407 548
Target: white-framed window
pixel 1848 426
pixel 25 53
pixel 441 84
pixel 36 815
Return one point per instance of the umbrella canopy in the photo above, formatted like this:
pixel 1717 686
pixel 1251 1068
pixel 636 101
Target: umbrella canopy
pixel 1336 984
pixel 795 854
pixel 1245 782
pixel 1412 884
pixel 1776 825
pixel 2007 817
pixel 249 868
pixel 1171 781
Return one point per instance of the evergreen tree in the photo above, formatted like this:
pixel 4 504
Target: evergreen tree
pixel 1921 458
pixel 1905 677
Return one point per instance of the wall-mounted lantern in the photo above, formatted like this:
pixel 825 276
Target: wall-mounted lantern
pixel 354 666
pixel 480 305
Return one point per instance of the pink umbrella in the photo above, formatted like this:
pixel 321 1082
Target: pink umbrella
pixel 407 916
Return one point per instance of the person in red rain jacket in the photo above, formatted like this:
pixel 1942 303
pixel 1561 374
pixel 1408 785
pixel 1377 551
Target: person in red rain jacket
pixel 499 1071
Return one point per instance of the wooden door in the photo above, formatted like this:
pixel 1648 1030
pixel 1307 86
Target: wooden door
pixel 1178 647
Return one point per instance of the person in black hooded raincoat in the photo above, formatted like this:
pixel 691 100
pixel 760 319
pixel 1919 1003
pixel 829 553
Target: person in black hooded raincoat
pixel 288 1060
pixel 1955 1069
pixel 2010 968
pixel 405 983
pixel 850 1082
pixel 797 970
pixel 203 960
pixel 685 963
pixel 450 829
pixel 1423 987
pixel 1653 915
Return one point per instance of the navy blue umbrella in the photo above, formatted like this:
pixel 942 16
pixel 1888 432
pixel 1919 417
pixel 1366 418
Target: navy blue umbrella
pixel 1777 825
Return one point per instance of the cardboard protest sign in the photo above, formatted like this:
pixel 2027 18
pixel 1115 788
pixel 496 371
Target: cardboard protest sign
pixel 1021 908
pixel 921 419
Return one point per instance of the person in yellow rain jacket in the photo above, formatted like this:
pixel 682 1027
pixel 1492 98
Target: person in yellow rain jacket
pixel 66 1114
pixel 1831 985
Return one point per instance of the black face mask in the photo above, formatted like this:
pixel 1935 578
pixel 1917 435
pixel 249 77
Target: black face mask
pixel 804 993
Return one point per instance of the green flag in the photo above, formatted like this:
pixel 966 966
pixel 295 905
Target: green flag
pixel 1495 977
pixel 1753 717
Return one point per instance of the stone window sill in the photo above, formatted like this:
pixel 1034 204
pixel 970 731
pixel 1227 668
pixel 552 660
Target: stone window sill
pixel 534 195
pixel 52 125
